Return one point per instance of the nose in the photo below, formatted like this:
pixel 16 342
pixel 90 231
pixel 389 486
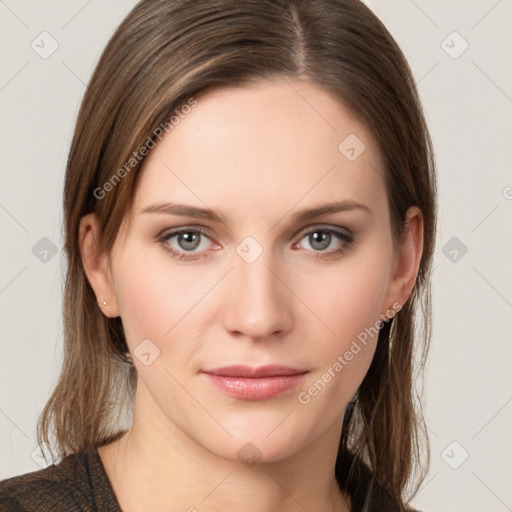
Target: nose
pixel 259 302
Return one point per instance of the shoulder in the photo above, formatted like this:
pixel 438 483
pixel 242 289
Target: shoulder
pixel 28 492
pixel 63 486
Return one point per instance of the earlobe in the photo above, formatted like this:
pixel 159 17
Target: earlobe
pixel 408 260
pixel 96 265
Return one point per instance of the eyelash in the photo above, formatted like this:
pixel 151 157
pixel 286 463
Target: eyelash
pixel 342 236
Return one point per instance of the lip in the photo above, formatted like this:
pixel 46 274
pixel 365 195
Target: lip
pixel 271 370
pixel 255 383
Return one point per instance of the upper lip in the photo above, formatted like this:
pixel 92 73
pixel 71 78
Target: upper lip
pixel 251 371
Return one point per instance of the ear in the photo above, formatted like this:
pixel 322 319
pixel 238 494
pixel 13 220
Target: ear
pixel 407 261
pixel 97 265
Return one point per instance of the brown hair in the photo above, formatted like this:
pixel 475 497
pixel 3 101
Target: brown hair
pixel 162 54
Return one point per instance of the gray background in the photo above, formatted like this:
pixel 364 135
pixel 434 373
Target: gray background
pixel 468 101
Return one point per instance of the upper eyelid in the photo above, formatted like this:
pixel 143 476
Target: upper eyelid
pixel 324 227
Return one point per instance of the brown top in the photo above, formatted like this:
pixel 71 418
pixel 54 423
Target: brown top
pixel 79 483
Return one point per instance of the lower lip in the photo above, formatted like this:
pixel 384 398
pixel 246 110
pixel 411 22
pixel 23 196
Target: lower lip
pixel 249 388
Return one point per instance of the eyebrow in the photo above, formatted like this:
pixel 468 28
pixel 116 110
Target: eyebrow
pixel 208 214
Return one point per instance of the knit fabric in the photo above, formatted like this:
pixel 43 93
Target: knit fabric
pixel 77 483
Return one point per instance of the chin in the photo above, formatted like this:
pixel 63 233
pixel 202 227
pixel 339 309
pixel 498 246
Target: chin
pixel 260 439
pixel 251 450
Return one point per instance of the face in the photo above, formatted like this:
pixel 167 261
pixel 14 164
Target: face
pixel 259 281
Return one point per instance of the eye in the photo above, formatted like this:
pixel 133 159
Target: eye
pixel 188 243
pixel 320 239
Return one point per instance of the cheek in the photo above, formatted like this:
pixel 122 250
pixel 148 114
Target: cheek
pixel 348 300
pixel 349 305
pixel 155 298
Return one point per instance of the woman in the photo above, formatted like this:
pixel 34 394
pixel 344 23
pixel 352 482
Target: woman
pixel 250 215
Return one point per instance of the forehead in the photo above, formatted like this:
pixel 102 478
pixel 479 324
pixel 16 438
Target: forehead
pixel 267 143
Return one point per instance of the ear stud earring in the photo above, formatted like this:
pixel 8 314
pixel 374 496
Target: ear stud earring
pixel 104 302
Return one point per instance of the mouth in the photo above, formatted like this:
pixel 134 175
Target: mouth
pixel 255 383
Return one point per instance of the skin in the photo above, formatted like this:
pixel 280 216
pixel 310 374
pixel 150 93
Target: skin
pixel 257 155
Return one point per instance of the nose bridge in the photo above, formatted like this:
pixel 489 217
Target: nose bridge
pixel 258 304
